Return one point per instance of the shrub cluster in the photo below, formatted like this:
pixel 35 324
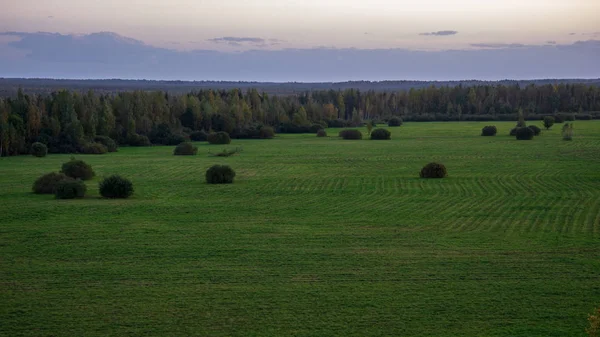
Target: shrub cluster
pixel 220 138
pixel 185 149
pixel 39 149
pixel 70 189
pixel 535 129
pixel 322 133
pixel 116 187
pixel 395 121
pixel 434 170
pixel 350 134
pixel 548 122
pixel 524 133
pixel 381 134
pixel 93 148
pixel 489 130
pixel 199 136
pixel 47 183
pixel 78 169
pixel 266 132
pixel 108 142
pixel 220 174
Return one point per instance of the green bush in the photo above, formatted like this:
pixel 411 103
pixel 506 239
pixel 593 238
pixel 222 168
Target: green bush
pixel 219 138
pixel 39 149
pixel 138 140
pixel 322 133
pixel 513 132
pixel 535 129
pixel 351 134
pixel 489 130
pixel 266 132
pixel 395 121
pixel 47 183
pixel 70 189
pixel 434 170
pixel 220 174
pixel 381 134
pixel 185 149
pixel 548 122
pixel 108 142
pixel 524 133
pixel 116 187
pixel 78 169
pixel 199 136
pixel 94 148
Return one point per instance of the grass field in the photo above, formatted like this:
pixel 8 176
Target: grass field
pixel 317 237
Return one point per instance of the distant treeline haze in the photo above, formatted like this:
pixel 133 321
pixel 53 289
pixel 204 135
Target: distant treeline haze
pixel 67 120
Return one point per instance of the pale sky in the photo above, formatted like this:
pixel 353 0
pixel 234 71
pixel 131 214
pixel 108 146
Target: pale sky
pixel 367 24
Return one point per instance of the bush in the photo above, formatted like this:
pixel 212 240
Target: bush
pixel 489 130
pixel 567 131
pixel 116 187
pixel 535 129
pixel 381 134
pixel 266 132
pixel 93 148
pixel 70 189
pixel 548 122
pixel 513 132
pixel 138 140
pixel 185 149
pixel 46 184
pixel 395 121
pixel 220 137
pixel 322 133
pixel 220 174
pixel 199 136
pixel 78 169
pixel 110 144
pixel 434 170
pixel 315 128
pixel 350 134
pixel 39 149
pixel 524 133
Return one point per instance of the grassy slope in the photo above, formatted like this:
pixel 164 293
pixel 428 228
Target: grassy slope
pixel 317 237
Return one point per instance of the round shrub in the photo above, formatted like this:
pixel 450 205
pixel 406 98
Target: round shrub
pixel 70 189
pixel 94 148
pixel 322 133
pixel 78 169
pixel 395 121
pixel 199 136
pixel 513 132
pixel 350 134
pixel 489 130
pixel 39 149
pixel 524 133
pixel 185 149
pixel 220 137
pixel 108 142
pixel 549 121
pixel 381 134
pixel 434 170
pixel 220 174
pixel 46 184
pixel 116 187
pixel 535 129
pixel 266 132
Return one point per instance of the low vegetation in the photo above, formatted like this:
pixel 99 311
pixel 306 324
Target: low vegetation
pixel 220 174
pixel 321 133
pixel 536 130
pixel 567 131
pixel 94 148
pixel 47 183
pixel 395 121
pixel 70 189
pixel 524 133
pixel 78 169
pixel 116 187
pixel 108 142
pixel 549 122
pixel 39 149
pixel 226 152
pixel 489 130
pixel 381 134
pixel 351 134
pixel 185 149
pixel 219 138
pixel 434 170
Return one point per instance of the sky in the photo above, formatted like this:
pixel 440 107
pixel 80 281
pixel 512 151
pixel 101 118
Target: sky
pixel 363 24
pixel 300 40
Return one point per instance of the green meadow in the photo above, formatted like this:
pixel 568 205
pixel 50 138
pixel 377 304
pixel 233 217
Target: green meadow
pixel 316 237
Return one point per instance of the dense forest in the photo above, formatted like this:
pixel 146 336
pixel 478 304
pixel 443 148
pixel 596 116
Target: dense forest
pixel 70 121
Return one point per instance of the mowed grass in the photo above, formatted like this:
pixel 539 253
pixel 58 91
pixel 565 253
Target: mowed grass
pixel 316 237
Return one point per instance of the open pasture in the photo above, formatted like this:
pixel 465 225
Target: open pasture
pixel 316 237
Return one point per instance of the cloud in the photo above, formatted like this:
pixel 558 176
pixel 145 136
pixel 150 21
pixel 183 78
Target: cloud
pixel 109 55
pixel 229 39
pixel 440 33
pixel 572 33
pixel 497 45
pixel 50 16
pixel 550 42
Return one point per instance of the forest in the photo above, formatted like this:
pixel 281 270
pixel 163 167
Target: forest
pixel 69 121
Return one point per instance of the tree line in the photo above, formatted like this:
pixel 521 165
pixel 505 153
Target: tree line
pixel 68 120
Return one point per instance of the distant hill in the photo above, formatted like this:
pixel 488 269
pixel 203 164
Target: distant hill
pixel 9 86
